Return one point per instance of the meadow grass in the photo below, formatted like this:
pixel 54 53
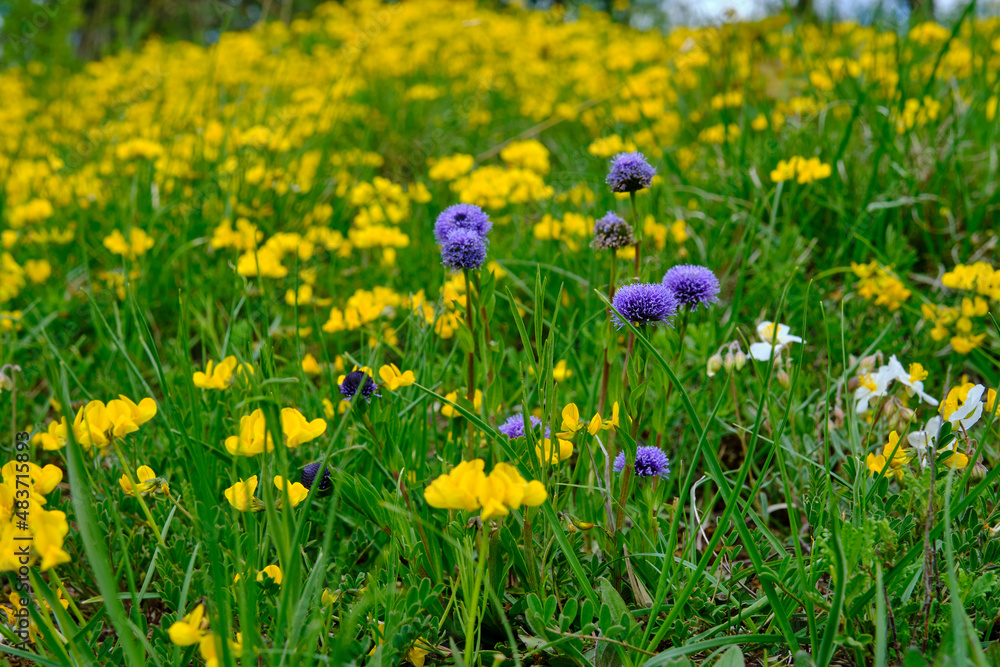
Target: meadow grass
pixel 254 420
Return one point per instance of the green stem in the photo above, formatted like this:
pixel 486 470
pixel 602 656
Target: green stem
pixel 637 233
pixel 473 610
pixel 606 370
pixel 470 392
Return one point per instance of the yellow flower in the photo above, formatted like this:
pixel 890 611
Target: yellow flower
pixel 449 411
pixel 393 379
pixel 571 423
pixel 37 270
pixel 546 452
pixel 241 496
pixel 148 482
pixel 416 655
pixel 310 366
pixel 191 629
pixel 91 425
pixel 297 429
pixel 272 571
pixel 458 489
pixel 136 245
pixel 296 491
pixel 560 372
pixel 54 437
pixel 598 424
pixel 253 438
pixel 896 460
pixel 222 375
pixel 468 488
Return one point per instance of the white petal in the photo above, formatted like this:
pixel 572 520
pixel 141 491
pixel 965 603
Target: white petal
pixel 762 351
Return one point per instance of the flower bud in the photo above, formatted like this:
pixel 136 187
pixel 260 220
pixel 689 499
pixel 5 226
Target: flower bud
pixel 783 379
pixel 867 365
pixel 979 472
pixel 740 359
pixel 6 383
pixel 714 364
pixel 729 362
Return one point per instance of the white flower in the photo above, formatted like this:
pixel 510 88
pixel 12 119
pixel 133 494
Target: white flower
pixel 911 378
pixel 873 386
pixel 971 410
pixel 921 441
pixel 775 337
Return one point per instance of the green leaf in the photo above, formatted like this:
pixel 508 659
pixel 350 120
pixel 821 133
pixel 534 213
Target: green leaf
pixel 733 657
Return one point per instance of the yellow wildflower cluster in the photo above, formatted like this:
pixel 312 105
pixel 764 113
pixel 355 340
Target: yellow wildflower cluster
pixel 572 229
pixel 450 167
pixel 467 487
pixel 610 145
pixel 530 155
pixel 97 424
pixel 965 325
pixel 495 187
pixel 27 530
pixel 916 113
pixel 193 629
pixel 136 245
pixel 801 169
pixel 876 282
pixel 222 375
pixel 254 438
pixel 365 306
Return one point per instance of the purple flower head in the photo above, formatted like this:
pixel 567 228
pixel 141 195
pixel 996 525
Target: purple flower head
pixel 643 303
pixel 514 426
pixel 630 172
pixel 649 462
pixel 464 249
pixel 692 285
pixel 356 380
pixel 611 233
pixel 461 216
pixel 308 478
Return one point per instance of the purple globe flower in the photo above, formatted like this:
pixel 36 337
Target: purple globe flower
pixel 611 233
pixel 643 303
pixel 630 172
pixel 461 216
pixel 358 380
pixel 514 426
pixel 464 249
pixel 649 462
pixel 308 478
pixel 692 285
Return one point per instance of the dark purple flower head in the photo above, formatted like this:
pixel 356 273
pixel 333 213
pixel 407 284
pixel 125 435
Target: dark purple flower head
pixel 611 233
pixel 649 462
pixel 514 426
pixel 463 249
pixel 308 478
pixel 630 172
pixel 356 380
pixel 461 216
pixel 692 285
pixel 643 303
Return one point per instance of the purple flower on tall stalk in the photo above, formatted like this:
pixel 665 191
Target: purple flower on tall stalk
pixel 461 216
pixel 514 426
pixel 692 285
pixel 649 462
pixel 356 380
pixel 611 233
pixel 643 303
pixel 630 172
pixel 464 249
